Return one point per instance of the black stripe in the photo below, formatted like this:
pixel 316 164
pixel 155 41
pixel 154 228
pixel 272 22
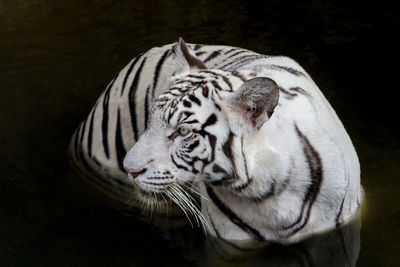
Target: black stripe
pixel 337 220
pixel 232 216
pixel 243 186
pixel 205 90
pixel 237 53
pixel 195 76
pixel 231 243
pixel 179 119
pixel 197 47
pixel 217 86
pixel 190 138
pixel 119 143
pixel 104 121
pixel 146 107
pixel 230 50
pixel 215 75
pixel 192 146
pixel 187 103
pixel 239 75
pixel 211 120
pixel 240 60
pixel 194 99
pixel 81 135
pixel 132 99
pixel 90 134
pixel 246 61
pixel 187 114
pixel 287 69
pixel 171 114
pixel 244 159
pixel 185 158
pixel 227 149
pixel 226 80
pixel 267 194
pixel 298 90
pixel 212 55
pixel 135 60
pixel 190 122
pixel 213 225
pixel 315 165
pixel 213 141
pixel 200 53
pixel 218 169
pixel 157 72
pixel 249 180
pixel 288 94
pixel 219 182
pixel 171 93
pixel 178 165
pixel 230 58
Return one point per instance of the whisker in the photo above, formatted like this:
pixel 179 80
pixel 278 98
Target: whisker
pixel 165 201
pixel 195 210
pixel 183 200
pixel 194 191
pixel 172 196
pixel 188 203
pixel 205 224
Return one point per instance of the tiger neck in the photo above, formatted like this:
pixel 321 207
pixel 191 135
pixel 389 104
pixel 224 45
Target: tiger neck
pixel 257 166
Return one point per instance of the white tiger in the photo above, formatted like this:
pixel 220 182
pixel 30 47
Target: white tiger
pixel 252 134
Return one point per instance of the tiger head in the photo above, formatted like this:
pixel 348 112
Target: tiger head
pixel 193 126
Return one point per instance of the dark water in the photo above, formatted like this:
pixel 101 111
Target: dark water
pixel 56 58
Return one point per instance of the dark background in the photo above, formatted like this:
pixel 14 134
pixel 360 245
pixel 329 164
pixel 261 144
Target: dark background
pixel 56 57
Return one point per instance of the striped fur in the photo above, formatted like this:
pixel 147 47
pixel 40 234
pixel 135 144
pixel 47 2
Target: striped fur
pixel 251 134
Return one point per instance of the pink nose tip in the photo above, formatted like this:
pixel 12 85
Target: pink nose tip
pixel 135 172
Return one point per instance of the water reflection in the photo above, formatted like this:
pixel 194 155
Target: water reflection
pixel 339 247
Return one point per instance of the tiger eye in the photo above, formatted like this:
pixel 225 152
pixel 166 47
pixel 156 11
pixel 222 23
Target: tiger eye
pixel 184 131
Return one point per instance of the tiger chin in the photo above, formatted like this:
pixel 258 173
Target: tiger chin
pixel 256 141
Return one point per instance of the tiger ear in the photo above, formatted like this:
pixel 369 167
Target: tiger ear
pixel 253 104
pixel 187 58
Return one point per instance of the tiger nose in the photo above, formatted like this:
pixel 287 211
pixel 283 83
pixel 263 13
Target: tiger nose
pixel 135 172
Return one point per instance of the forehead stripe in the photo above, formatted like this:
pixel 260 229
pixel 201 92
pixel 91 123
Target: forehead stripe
pixel 195 99
pixel 205 90
pixel 187 103
pixel 212 119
